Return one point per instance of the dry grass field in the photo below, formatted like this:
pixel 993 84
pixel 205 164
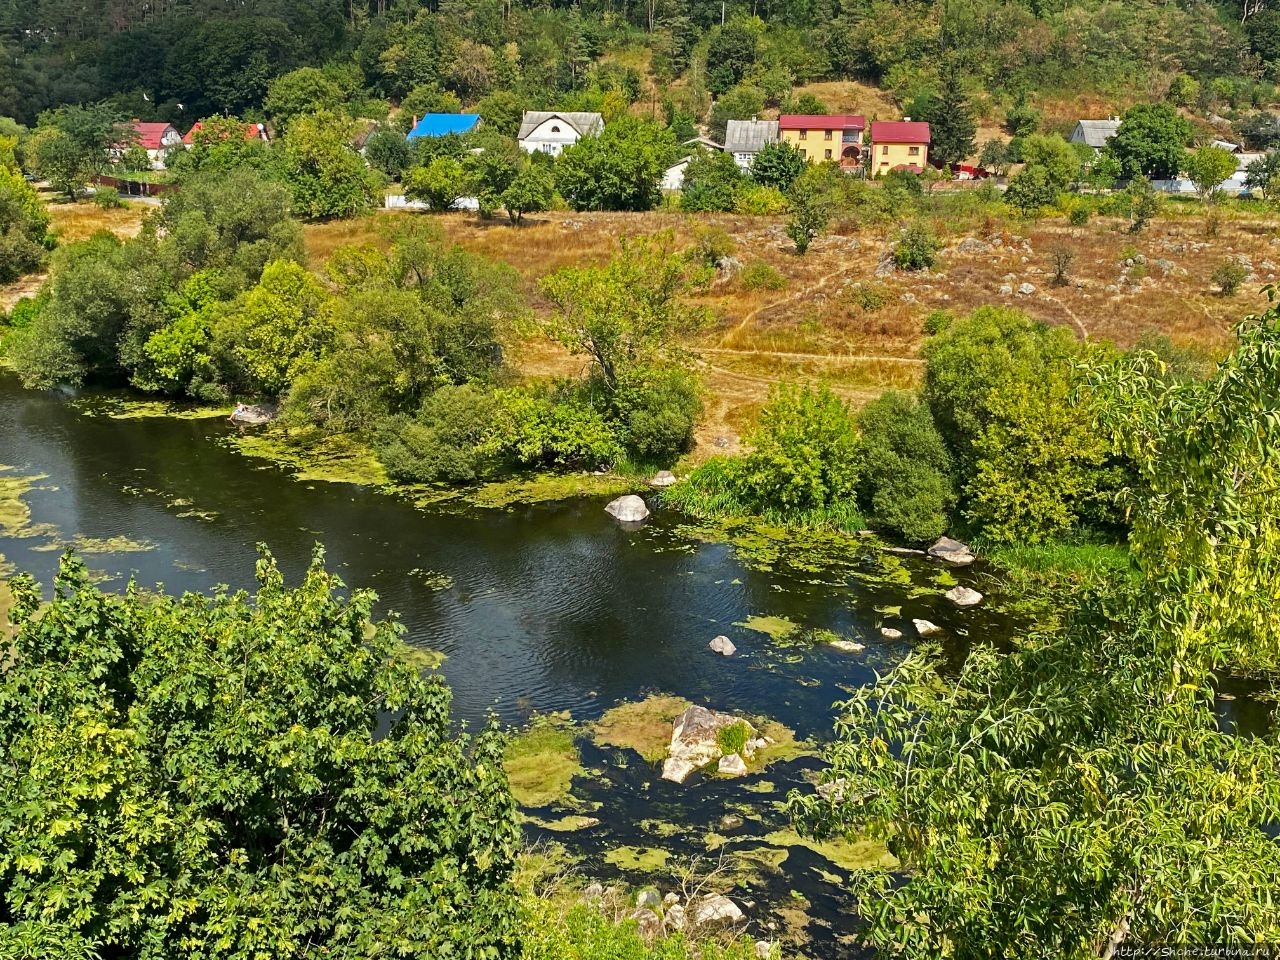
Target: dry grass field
pixel 828 315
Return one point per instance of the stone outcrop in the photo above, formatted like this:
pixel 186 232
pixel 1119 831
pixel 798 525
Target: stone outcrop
pixel 650 923
pixel 964 596
pixel 694 741
pixel 628 509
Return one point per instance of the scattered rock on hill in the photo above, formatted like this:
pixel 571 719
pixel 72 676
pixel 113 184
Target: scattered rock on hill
pixel 1026 289
pixel 964 597
pixel 628 509
pixel 1006 290
pixel 650 923
pixel 973 245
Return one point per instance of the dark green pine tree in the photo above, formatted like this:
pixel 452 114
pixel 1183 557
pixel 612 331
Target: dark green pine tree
pixel 952 127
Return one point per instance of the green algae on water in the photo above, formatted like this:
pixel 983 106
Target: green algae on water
pixel 123 408
pixel 861 854
pixel 542 761
pixel 312 455
pixel 644 726
pixel 779 628
pixel 424 658
pixel 638 859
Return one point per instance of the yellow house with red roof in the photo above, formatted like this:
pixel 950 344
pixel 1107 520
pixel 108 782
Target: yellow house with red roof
pixel 898 145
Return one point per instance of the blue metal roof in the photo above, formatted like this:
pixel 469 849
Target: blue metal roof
pixel 440 124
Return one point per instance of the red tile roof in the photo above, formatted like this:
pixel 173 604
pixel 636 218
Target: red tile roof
pixel 252 131
pixel 821 121
pixel 150 136
pixel 899 131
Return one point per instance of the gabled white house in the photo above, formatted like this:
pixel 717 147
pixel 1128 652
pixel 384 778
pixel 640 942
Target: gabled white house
pixel 544 131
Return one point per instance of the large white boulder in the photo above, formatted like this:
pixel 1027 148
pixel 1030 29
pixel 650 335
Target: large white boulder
pixel 677 770
pixel 716 908
pixel 694 741
pixel 952 551
pixel 723 646
pixel 628 509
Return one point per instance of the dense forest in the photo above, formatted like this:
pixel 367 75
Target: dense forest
pixel 181 60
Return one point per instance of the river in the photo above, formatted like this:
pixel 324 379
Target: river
pixel 550 607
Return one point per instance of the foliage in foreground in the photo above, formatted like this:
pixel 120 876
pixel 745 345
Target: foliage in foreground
pixel 208 777
pixel 1080 792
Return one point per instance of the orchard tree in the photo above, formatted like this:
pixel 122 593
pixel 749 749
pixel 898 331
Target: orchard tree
pixel 621 169
pixel 439 184
pixel 711 182
pixel 532 190
pixel 1263 174
pixel 1151 141
pixel 1031 190
pixel 810 204
pixel 1079 792
pixel 1207 168
pixel 240 777
pixel 777 165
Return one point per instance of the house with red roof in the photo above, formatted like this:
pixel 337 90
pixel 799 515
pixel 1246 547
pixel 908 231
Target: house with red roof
pixel 898 145
pixel 819 137
pixel 252 131
pixel 155 138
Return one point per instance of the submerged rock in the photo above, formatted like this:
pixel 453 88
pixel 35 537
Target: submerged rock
pixel 723 646
pixel 252 413
pixel 964 597
pixel 732 766
pixel 663 478
pixel 846 646
pixel 889 633
pixel 952 551
pixel 716 908
pixel 927 629
pixel 628 509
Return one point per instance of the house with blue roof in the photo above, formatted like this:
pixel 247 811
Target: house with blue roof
pixel 443 124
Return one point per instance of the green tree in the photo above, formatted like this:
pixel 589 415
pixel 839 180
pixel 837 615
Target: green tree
pixel 917 247
pixel 1150 141
pixel 711 182
pixel 1139 203
pixel 952 127
pixel 57 157
pixel 1105 730
pixel 305 90
pixel 904 482
pixel 276 331
pixel 501 111
pixel 777 165
pixel 1031 190
pixel 328 178
pixel 810 203
pixel 731 53
pixel 1263 174
pixel 1057 157
pixel 994 157
pixel 220 145
pixel 629 312
pixel 532 190
pixel 23 224
pixel 214 778
pixel 619 170
pixel 439 184
pixel 387 150
pixel 804 453
pixel 1207 167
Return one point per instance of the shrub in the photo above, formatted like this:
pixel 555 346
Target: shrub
pixel 916 249
pixel 805 452
pixel 761 276
pixel 1079 215
pixel 554 428
pixel 656 410
pixel 1061 256
pixel 733 738
pixel 711 181
pixel 107 198
pixel 446 441
pixel 1229 275
pixel 938 321
pixel 870 298
pixel 905 473
pixel 757 201
pixel 711 245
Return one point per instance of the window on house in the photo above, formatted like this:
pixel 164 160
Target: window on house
pixel 804 154
pixel 804 134
pixel 555 129
pixel 826 135
pixel 828 154
pixel 884 151
pixel 914 151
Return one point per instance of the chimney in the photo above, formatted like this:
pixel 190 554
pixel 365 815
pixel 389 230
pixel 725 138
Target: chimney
pixel 906 119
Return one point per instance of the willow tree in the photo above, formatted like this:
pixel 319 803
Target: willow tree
pixel 1081 792
pixel 236 777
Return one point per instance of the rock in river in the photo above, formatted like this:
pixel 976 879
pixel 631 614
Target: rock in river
pixel 723 646
pixel 693 741
pixel 628 509
pixel 732 766
pixel 663 478
pixel 889 633
pixel 926 629
pixel 964 597
pixel 952 551
pixel 846 646
pixel 677 770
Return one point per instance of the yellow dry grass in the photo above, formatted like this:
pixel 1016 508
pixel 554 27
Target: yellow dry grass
pixel 848 96
pixel 79 221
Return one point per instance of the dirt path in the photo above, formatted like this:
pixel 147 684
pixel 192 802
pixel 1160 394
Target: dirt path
pixel 812 357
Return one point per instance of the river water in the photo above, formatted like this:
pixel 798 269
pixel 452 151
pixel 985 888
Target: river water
pixel 552 607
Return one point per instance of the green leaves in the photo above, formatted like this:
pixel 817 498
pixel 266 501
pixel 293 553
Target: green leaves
pixel 201 777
